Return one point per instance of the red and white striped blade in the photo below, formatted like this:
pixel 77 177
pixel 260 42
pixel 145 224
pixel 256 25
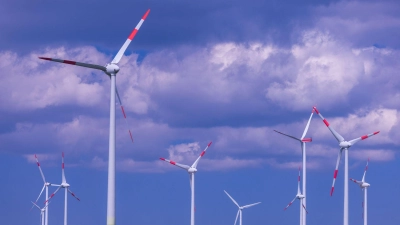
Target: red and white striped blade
pixel 120 53
pixel 307 126
pixel 336 134
pixel 62 169
pixel 201 155
pixel 73 194
pixel 363 137
pixel 52 195
pixel 40 169
pixel 287 135
pixel 87 65
pixel 365 171
pixel 123 113
pixel 290 203
pixel 336 171
pixel 186 167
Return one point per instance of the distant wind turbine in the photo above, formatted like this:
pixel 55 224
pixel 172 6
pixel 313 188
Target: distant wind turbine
pixel 42 212
pixel 301 198
pixel 240 208
pixel 111 69
pixel 191 170
pixel 344 146
pixel 364 186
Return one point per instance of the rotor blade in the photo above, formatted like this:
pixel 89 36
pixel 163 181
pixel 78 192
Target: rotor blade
pixel 73 194
pixel 290 203
pixel 336 134
pixel 40 193
pixel 123 113
pixel 237 215
pixel 356 181
pixel 87 65
pixel 233 200
pixel 185 167
pixel 130 38
pixel 201 155
pixel 34 204
pixel 308 125
pixel 250 205
pixel 62 169
pixel 52 195
pixel 365 171
pixel 336 170
pixel 287 135
pixel 40 169
pixel 352 142
pixel 305 208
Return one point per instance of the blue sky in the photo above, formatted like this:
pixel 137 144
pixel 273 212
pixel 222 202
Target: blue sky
pixel 227 72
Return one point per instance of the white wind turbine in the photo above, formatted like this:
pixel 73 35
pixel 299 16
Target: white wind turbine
pixel 42 212
pixel 240 208
pixel 111 69
pixel 303 142
pixel 301 198
pixel 344 146
pixel 191 170
pixel 364 186
pixel 64 185
pixel 45 186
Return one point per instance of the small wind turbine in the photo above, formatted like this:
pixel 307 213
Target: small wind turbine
pixel 64 185
pixel 42 212
pixel 240 208
pixel 111 69
pixel 191 170
pixel 364 186
pixel 46 185
pixel 344 146
pixel 303 142
pixel 301 197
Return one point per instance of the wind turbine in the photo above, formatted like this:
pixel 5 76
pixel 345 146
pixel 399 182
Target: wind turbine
pixel 344 146
pixel 301 197
pixel 42 212
pixel 64 185
pixel 240 208
pixel 111 69
pixel 191 170
pixel 303 142
pixel 45 186
pixel 364 186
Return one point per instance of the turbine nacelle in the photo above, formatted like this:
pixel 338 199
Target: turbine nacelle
pixel 345 144
pixel 64 185
pixel 300 196
pixel 192 170
pixel 364 185
pixel 112 68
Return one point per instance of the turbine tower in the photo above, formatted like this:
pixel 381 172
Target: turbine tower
pixel 191 170
pixel 300 197
pixel 303 142
pixel 45 186
pixel 64 185
pixel 344 146
pixel 240 208
pixel 111 69
pixel 364 186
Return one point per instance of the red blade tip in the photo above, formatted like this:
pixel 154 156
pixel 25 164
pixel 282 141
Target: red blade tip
pixel 209 144
pixel 162 159
pixel 145 15
pixel 45 58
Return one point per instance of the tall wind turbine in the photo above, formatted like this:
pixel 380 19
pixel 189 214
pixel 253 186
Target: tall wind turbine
pixel 301 197
pixel 64 185
pixel 303 142
pixel 42 212
pixel 45 186
pixel 111 69
pixel 191 170
pixel 240 208
pixel 364 186
pixel 344 146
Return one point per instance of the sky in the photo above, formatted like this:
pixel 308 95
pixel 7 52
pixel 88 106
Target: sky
pixel 229 72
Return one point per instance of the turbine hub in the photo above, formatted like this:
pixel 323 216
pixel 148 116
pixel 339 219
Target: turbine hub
pixel 192 170
pixel 112 68
pixel 64 185
pixel 365 185
pixel 344 144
